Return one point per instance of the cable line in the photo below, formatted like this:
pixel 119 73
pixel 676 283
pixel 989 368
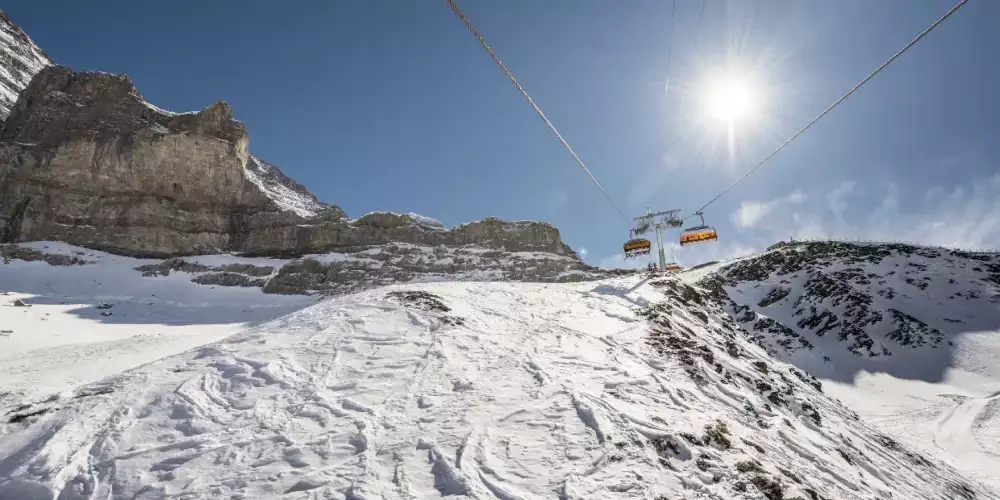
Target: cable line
pixel 830 108
pixel 482 41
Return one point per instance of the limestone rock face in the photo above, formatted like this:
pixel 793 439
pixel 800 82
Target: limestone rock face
pixel 84 159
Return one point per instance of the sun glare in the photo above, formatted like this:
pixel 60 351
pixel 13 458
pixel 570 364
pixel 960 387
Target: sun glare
pixel 730 99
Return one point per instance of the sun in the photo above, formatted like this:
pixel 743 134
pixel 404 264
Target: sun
pixel 730 99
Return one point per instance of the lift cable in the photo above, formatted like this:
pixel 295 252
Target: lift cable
pixel 830 108
pixel 482 41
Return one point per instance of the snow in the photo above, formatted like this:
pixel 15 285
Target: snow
pixel 163 111
pixel 16 46
pixel 63 340
pixel 484 390
pixel 159 129
pixel 940 398
pixel 425 221
pixel 302 204
pixel 418 219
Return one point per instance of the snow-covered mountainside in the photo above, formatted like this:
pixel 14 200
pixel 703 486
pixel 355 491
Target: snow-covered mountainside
pixel 20 59
pixel 285 192
pixel 863 305
pixel 625 388
pixel 908 335
pixel 325 274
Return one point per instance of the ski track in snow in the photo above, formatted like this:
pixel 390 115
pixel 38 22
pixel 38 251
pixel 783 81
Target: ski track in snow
pixel 64 340
pixel 539 391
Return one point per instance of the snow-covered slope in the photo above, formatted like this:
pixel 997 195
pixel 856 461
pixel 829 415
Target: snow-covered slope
pixel 289 195
pixel 863 304
pixel 86 322
pixel 908 335
pixel 615 389
pixel 20 59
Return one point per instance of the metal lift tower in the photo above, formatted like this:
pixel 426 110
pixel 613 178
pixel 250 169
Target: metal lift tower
pixel 658 221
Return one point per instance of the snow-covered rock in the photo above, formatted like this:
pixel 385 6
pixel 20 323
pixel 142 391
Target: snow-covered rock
pixel 863 304
pixel 283 191
pixel 20 59
pixel 333 273
pixel 908 335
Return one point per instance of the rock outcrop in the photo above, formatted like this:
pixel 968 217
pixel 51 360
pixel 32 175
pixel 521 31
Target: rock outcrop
pixel 338 273
pixel 86 160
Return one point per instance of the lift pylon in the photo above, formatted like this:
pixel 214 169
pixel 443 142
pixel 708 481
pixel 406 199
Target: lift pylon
pixel 657 222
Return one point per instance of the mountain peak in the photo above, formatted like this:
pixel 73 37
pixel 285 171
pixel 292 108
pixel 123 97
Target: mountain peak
pixel 20 58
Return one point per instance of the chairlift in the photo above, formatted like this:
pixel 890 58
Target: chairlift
pixel 672 266
pixel 699 234
pixel 635 247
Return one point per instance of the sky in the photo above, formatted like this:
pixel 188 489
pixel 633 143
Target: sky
pixel 393 105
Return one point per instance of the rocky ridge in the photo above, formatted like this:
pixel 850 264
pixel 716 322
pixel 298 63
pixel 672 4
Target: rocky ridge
pixel 332 273
pixel 86 160
pixel 873 300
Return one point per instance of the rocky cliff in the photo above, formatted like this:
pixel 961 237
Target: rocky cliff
pixel 20 59
pixel 86 160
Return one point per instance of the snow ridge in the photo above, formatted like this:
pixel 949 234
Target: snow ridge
pixel 20 60
pixel 876 301
pixel 287 194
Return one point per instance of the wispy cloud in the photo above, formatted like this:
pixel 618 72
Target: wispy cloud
pixel 968 216
pixel 558 199
pixel 836 200
pixel 750 212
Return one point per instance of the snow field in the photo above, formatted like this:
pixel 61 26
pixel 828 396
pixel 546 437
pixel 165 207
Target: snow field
pixel 66 338
pixel 484 390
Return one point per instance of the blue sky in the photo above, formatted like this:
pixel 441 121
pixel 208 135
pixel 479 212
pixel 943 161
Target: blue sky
pixel 392 105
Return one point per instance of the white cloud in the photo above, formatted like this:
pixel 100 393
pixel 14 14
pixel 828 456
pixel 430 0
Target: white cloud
pixel 583 252
pixel 891 200
pixel 835 200
pixel 967 217
pixel 750 213
pixel 797 197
